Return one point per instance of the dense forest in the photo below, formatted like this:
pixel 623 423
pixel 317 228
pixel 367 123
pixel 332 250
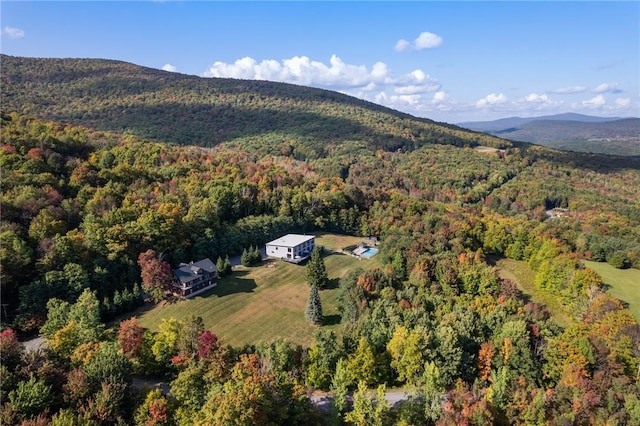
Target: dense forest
pixel 91 208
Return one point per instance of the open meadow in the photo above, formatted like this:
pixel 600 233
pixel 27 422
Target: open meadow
pixel 267 301
pixel 623 283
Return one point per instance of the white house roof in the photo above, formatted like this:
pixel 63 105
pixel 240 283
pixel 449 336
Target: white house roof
pixel 291 240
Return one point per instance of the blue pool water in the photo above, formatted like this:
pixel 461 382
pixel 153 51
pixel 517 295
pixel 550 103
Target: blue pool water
pixel 370 252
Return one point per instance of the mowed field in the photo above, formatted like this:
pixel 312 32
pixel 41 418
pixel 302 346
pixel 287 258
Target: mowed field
pixel 263 302
pixel 623 284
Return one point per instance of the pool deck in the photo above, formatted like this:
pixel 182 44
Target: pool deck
pixel 366 252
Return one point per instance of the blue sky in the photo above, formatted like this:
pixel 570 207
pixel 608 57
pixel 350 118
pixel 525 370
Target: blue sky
pixel 450 61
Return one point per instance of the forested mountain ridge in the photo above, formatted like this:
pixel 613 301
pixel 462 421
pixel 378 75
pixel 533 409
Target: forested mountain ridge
pixel 189 110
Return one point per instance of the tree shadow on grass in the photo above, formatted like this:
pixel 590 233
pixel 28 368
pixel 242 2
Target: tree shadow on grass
pixel 332 284
pixel 232 284
pixel 333 319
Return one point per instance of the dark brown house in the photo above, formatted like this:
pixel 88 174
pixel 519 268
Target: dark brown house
pixel 195 277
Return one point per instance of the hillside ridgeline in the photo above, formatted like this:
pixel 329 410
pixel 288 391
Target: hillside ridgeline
pixel 188 110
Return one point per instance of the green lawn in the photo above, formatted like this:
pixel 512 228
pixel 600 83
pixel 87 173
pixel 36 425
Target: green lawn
pixel 519 271
pixel 264 302
pixel 623 284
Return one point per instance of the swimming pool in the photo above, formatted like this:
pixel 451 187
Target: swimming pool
pixel 370 252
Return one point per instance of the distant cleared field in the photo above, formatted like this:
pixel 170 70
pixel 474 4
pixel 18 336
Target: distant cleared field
pixel 264 302
pixel 623 284
pixel 519 271
pixel 486 149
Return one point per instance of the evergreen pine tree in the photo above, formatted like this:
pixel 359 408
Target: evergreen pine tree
pixel 244 258
pixel 106 304
pixel 127 300
pixel 137 295
pixel 316 270
pixel 117 302
pixel 105 309
pixel 220 267
pixel 227 265
pixel 313 313
pixel 256 256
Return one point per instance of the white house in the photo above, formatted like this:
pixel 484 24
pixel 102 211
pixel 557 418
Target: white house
pixel 292 247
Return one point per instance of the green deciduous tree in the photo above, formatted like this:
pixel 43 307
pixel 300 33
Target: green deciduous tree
pixel 57 317
pixel 189 389
pixel 323 356
pixel 367 411
pixel 362 363
pixel 406 348
pixel 340 386
pixel 165 343
pixel 30 398
pixel 253 396
pixel 86 313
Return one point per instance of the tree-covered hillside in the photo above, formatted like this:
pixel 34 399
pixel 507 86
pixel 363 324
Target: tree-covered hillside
pixel 92 220
pixel 188 110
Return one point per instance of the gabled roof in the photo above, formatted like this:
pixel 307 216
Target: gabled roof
pixel 188 272
pixel 291 240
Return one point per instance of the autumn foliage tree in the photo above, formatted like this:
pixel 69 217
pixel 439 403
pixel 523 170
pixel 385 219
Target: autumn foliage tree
pixel 10 348
pixel 130 337
pixel 154 411
pixel 156 275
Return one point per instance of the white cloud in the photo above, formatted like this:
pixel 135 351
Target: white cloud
pixel 169 67
pixel 336 75
pixel 13 32
pixel 439 97
pixel 607 87
pixel 569 90
pixel 415 92
pixel 425 40
pixel 416 89
pixel 491 99
pixel 535 98
pixel 623 102
pixel 595 102
pixel 403 45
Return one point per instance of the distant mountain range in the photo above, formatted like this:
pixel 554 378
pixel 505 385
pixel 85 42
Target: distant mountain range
pixel 570 131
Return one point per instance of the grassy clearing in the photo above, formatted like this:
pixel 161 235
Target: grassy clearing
pixel 485 149
pixel 519 271
pixel 623 284
pixel 488 150
pixel 263 302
